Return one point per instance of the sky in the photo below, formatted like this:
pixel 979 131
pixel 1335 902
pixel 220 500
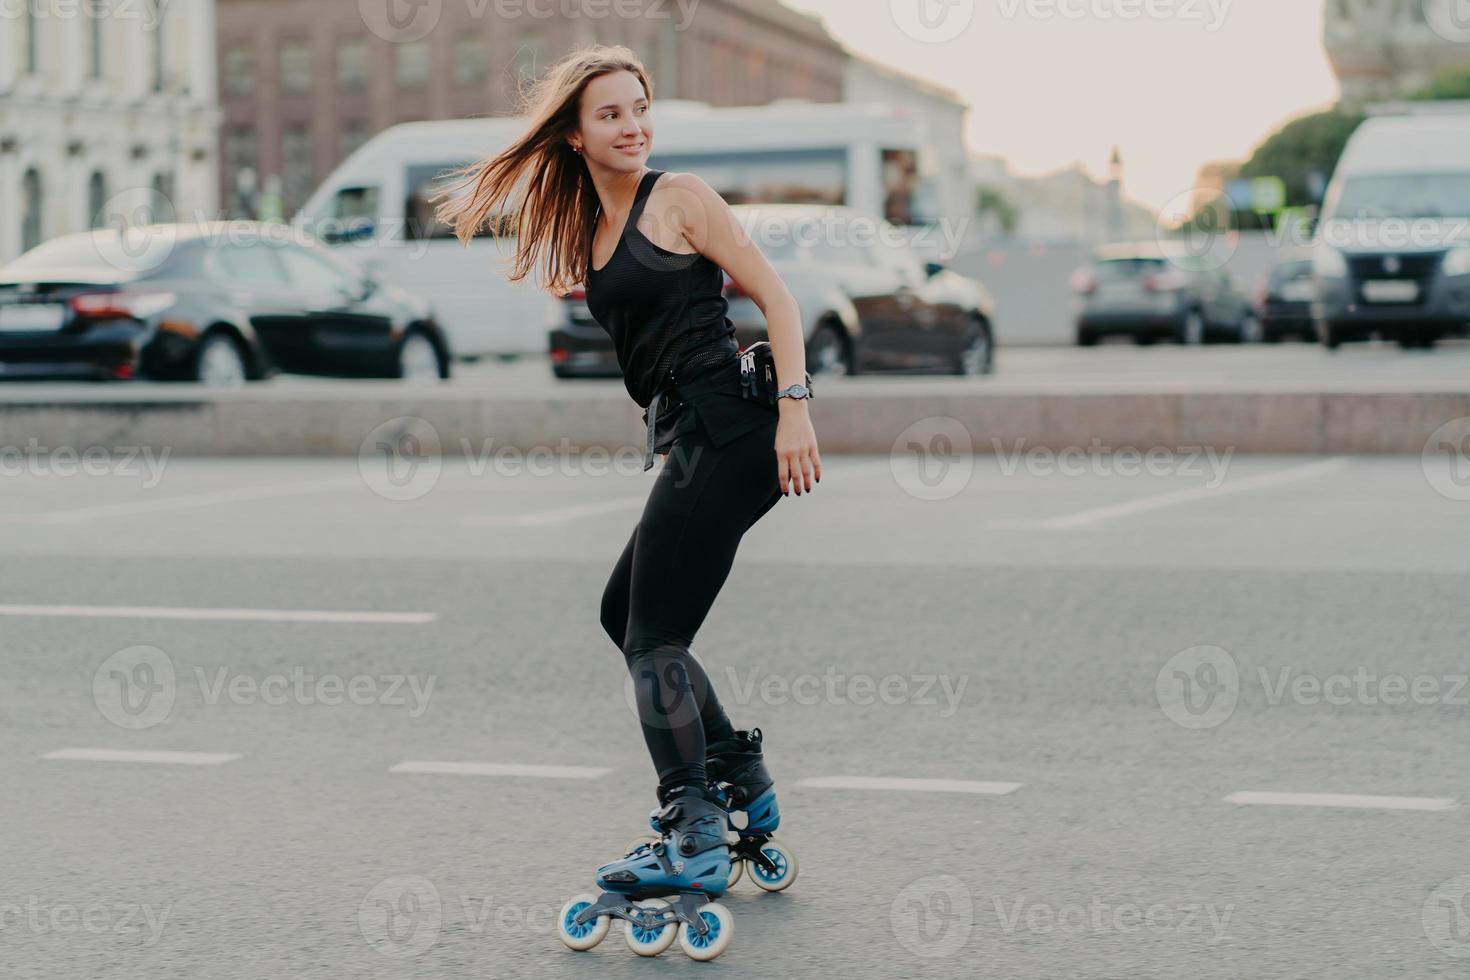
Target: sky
pixel 1056 82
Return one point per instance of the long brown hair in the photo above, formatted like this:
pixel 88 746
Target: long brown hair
pixel 554 216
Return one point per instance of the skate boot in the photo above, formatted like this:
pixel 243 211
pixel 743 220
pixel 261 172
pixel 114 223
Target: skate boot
pixel 738 772
pixel 664 887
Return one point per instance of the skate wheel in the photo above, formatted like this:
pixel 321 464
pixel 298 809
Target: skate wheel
pixel 650 942
pixel 785 872
pixel 639 841
pixel 737 869
pixel 588 934
pixel 721 930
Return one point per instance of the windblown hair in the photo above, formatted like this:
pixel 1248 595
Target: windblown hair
pixel 553 217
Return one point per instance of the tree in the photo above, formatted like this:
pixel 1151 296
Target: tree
pixel 1304 153
pixel 1451 84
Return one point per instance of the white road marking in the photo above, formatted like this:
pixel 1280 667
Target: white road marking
pixel 183 612
pixel 501 769
pixel 556 515
pixel 1337 799
pixel 77 515
pixel 909 785
pixel 1097 515
pixel 131 755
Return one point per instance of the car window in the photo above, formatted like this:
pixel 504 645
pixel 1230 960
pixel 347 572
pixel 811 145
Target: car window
pixel 1118 269
pixel 257 263
pixel 311 272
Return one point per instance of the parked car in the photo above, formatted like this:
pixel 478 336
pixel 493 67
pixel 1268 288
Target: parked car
pixel 1284 306
pixel 1150 291
pixel 1392 256
pixel 219 303
pixel 867 302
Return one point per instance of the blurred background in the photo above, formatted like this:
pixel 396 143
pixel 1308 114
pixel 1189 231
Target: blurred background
pixel 1124 635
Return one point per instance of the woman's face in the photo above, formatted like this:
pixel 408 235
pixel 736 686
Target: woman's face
pixel 616 127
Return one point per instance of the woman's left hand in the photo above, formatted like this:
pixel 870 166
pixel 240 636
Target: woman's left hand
pixel 800 465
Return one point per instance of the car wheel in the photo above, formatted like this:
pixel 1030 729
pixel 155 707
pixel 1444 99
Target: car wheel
pixel 1250 331
pixel 977 352
pixel 1192 331
pixel 419 359
pixel 219 362
pixel 1085 339
pixel 1330 336
pixel 826 353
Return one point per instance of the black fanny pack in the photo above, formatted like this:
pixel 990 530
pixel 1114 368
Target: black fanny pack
pixel 758 373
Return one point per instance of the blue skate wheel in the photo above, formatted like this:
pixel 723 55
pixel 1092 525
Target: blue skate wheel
pixel 646 941
pixel 785 862
pixel 585 935
pixel 720 929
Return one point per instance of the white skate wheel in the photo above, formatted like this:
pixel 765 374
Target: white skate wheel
pixel 737 869
pixel 588 934
pixel 785 861
pixel 721 930
pixel 650 942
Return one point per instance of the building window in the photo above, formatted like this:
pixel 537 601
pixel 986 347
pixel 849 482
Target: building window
pixel 156 14
pixel 239 69
pixel 296 177
pixel 32 46
pixel 412 64
pixel 353 62
pixel 30 203
pixel 94 45
pixel 296 65
pixel 240 157
pixel 353 134
pixel 97 198
pixel 471 60
pixel 163 198
pixel 530 55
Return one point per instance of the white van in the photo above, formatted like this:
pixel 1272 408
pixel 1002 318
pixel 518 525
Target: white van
pixel 1392 252
pixel 868 155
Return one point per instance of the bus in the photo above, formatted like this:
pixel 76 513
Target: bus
pixel 871 156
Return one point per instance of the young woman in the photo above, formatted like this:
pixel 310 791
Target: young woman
pixel 650 247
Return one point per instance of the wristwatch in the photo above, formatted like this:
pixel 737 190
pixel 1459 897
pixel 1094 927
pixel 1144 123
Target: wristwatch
pixel 795 391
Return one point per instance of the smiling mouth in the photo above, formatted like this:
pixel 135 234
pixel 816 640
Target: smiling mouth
pixel 629 146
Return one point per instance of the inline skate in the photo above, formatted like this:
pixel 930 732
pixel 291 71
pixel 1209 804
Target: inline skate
pixel 689 862
pixel 738 776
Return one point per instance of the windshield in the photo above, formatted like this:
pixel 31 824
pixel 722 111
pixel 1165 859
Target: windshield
pixel 1404 196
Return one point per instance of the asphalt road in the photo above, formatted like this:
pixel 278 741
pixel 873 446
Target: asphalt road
pixel 1101 662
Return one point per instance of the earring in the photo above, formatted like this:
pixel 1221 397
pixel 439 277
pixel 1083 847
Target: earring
pixel 576 149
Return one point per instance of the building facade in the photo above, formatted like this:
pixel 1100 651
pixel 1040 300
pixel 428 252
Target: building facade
pixel 103 108
pixel 1387 49
pixel 303 85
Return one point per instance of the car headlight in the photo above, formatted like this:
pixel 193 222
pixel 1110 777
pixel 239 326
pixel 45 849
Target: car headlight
pixel 1457 262
pixel 1328 263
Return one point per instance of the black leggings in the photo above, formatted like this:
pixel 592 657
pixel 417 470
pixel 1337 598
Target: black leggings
pixel 703 500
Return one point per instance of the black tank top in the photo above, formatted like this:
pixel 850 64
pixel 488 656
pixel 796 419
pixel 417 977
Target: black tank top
pixel 667 315
pixel 665 311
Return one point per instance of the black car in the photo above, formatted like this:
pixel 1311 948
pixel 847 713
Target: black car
pixel 1285 304
pixel 220 303
pixel 868 303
